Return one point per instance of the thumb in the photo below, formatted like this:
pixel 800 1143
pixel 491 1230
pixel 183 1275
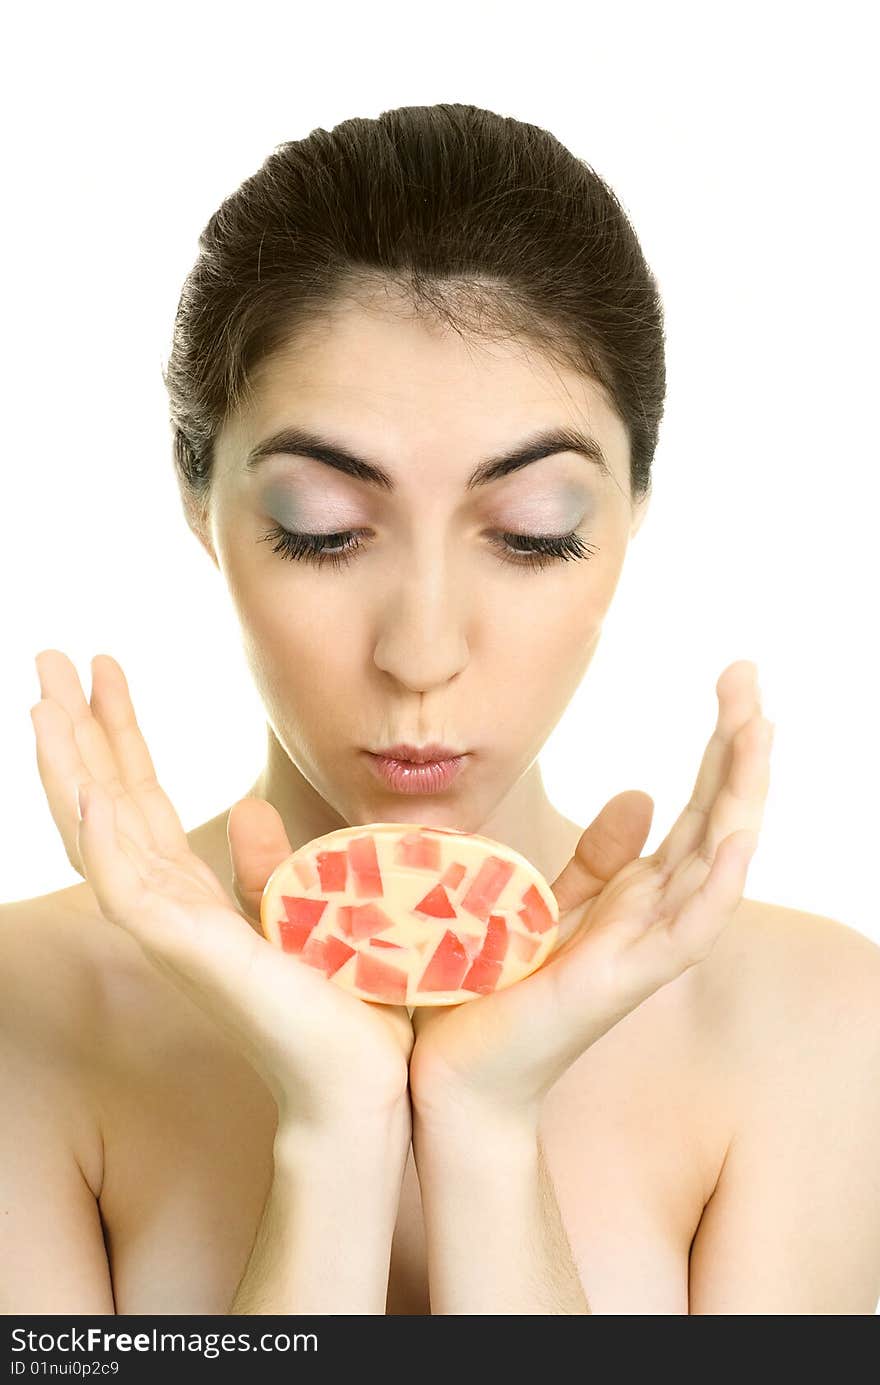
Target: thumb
pixel 258 843
pixel 615 837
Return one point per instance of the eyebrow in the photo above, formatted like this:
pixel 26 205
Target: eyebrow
pixel 546 443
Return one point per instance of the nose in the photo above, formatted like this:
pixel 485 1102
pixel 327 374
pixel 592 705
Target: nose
pixel 422 637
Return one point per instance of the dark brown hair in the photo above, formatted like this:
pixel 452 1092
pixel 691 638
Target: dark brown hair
pixel 485 222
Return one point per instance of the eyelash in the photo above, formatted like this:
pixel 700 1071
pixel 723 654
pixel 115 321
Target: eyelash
pixel 546 548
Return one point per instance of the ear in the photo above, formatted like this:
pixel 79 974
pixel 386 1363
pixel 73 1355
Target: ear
pixel 639 511
pixel 205 541
pixel 198 525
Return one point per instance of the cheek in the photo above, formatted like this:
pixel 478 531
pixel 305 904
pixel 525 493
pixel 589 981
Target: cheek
pixel 279 605
pixel 309 699
pixel 300 647
pixel 548 616
pixel 545 661
pixel 540 660
pixel 293 632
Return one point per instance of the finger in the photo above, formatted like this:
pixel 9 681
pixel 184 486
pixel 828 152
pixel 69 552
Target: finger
pixel 77 750
pixel 161 904
pixel 655 957
pixel 258 842
pixel 112 864
pixel 689 935
pixel 58 769
pixel 738 807
pixel 111 702
pixel 59 681
pixel 62 770
pixel 738 701
pixel 615 837
pixel 740 804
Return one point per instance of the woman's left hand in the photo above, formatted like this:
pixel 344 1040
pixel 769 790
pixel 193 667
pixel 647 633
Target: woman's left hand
pixel 628 925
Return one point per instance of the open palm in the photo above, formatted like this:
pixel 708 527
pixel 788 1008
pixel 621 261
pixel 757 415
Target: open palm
pixel 628 924
pixel 315 1045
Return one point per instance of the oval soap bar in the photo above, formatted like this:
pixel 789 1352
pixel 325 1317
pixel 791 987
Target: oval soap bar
pixel 410 915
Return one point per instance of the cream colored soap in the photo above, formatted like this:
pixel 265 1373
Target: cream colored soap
pixel 410 915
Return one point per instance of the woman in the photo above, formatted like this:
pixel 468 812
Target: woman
pixel 416 385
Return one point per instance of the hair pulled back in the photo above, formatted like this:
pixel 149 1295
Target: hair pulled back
pixel 482 222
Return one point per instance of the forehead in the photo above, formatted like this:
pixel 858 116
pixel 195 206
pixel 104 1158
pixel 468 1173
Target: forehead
pixel 401 386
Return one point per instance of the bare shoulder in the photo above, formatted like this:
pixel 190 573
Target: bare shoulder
pixel 785 990
pixel 790 963
pixel 60 964
pixel 790 1011
pixel 47 948
pixel 78 977
pixel 57 951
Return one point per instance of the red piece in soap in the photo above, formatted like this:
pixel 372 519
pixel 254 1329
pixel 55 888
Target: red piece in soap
pixel 367 919
pixel 485 889
pixel 486 969
pixel 455 873
pixel 414 849
pixel 388 983
pixel 306 912
pixel 534 913
pixel 332 870
pixel 302 916
pixel 436 904
pixel 336 954
pixel 326 954
pixel 446 968
pixel 314 954
pixel 365 867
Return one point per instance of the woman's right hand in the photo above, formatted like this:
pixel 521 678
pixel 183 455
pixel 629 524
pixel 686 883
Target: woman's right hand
pixel 326 1055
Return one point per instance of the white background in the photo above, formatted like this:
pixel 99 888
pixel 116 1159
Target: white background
pixel 742 142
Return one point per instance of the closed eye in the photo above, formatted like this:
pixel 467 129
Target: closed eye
pixel 338 550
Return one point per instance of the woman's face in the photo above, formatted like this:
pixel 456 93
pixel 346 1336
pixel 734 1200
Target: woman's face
pixel 433 628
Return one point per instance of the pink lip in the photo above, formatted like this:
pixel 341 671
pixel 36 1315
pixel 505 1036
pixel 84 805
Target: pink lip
pixel 419 754
pixel 405 776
